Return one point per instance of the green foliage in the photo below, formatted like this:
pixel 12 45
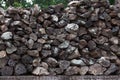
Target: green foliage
pixel 46 3
pixel 24 3
pixel 42 3
pixel 112 1
pixel 16 4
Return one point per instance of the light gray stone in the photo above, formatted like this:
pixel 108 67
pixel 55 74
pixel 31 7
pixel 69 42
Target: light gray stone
pixel 11 49
pixel 40 71
pixel 54 18
pixel 65 44
pixel 72 27
pixel 77 62
pixel 2 54
pixel 7 35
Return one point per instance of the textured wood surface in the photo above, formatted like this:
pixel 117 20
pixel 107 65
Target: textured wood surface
pixel 60 78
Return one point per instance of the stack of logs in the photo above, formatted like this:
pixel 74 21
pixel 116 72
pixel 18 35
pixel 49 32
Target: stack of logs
pixel 81 39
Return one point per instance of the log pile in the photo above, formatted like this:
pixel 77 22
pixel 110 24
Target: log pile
pixel 81 39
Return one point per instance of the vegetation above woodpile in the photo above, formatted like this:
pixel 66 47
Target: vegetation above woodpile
pixel 29 3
